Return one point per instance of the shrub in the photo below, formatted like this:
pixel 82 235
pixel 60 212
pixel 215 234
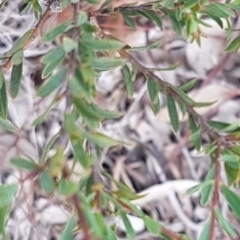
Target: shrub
pixel 83 52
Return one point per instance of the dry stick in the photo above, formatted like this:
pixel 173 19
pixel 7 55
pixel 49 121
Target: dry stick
pixel 215 190
pixel 36 31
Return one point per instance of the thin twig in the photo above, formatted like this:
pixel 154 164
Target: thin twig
pixel 81 217
pixel 215 190
pixel 36 30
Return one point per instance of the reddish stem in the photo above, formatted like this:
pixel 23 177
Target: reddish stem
pixel 81 217
pixel 215 190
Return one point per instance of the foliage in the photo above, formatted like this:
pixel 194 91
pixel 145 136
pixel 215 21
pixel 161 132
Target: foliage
pixel 92 52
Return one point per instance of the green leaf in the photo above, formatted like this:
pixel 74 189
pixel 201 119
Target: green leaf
pixel 2 79
pixel 67 187
pixel 218 10
pixel 233 200
pixel 100 139
pixel 24 163
pixel 183 95
pixel 155 107
pixel 224 223
pixel 232 173
pixel 190 3
pixel 128 80
pixel 82 18
pixel 103 45
pixel 105 3
pixel 87 113
pixel 175 23
pixel 182 107
pixel 207 188
pixel 40 119
pixel 80 155
pixel 172 110
pixel 153 92
pixel 69 44
pixel 171 67
pixel 101 223
pixel 70 125
pixel 233 45
pixel 102 114
pixel 55 32
pixel 232 127
pixel 48 146
pixel 203 104
pixel 17 57
pixel 129 230
pixel 188 85
pixel 79 89
pixel 55 53
pixel 7 192
pixel 168 4
pixel 206 192
pixel 147 47
pixel 128 20
pixel 110 234
pixel 20 43
pixel 46 181
pixel 3 100
pixel 198 187
pixel 218 125
pixel 57 163
pixel 36 6
pixel 52 59
pixel 4 212
pixel 204 235
pixel 92 222
pixel 26 8
pixel 193 189
pixel 104 63
pixel 52 83
pixel 67 233
pixel 5 124
pixel 127 194
pixel 195 137
pixel 15 80
pixel 151 15
pixel 152 225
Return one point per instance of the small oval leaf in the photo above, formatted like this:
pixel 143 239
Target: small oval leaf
pixel 3 100
pixel 55 32
pixel 233 200
pixel 104 64
pixel 15 81
pixel 24 163
pixel 172 110
pixel 128 80
pixel 52 83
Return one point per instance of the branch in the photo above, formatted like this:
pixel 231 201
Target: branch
pixel 81 217
pixel 120 9
pixel 215 190
pixel 36 30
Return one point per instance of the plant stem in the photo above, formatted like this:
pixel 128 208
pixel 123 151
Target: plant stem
pixel 81 217
pixel 36 30
pixel 215 190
